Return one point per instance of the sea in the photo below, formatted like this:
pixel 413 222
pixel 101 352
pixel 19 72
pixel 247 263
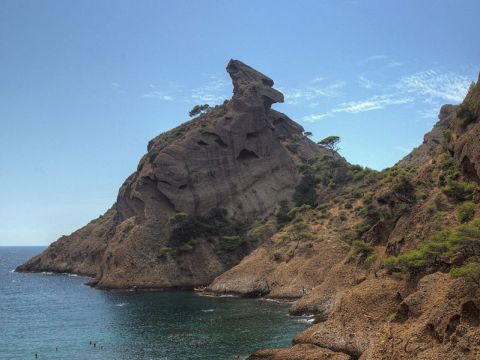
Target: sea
pixel 54 316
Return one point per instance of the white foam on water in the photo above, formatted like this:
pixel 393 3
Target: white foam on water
pixel 208 310
pixel 304 320
pixel 121 304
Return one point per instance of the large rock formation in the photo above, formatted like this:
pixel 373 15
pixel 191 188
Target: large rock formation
pixel 230 167
pixel 329 252
pixel 364 309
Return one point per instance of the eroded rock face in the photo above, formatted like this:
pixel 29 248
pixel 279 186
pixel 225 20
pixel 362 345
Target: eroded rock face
pixel 437 321
pixel 232 158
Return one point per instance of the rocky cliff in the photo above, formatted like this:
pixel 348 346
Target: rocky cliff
pixel 387 262
pixel 184 216
pixel 405 284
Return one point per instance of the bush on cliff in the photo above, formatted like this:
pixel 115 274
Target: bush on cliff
pixel 470 270
pixel 468 110
pixel 459 190
pixel 466 211
pixel 360 251
pixel 282 214
pixel 328 171
pixel 230 243
pixel 445 249
pixel 305 193
pixel 199 109
pixel 186 228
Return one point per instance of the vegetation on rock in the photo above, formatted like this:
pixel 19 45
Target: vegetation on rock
pixel 444 250
pixel 199 109
pixel 330 143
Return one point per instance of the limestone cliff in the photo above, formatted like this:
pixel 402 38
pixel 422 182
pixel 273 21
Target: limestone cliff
pixel 407 283
pixel 183 217
pixel 387 262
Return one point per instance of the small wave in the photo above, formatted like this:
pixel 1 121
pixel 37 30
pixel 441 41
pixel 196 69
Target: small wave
pixel 46 273
pixel 121 304
pixel 71 275
pixel 208 310
pixel 305 320
pixel 11 271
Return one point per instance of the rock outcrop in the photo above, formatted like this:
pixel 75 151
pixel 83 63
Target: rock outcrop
pixel 363 309
pixel 231 166
pixel 211 202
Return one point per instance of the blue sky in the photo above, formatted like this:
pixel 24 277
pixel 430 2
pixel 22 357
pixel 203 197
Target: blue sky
pixel 84 85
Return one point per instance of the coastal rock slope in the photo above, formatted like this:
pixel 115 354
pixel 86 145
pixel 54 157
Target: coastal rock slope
pixel 407 286
pixel 200 199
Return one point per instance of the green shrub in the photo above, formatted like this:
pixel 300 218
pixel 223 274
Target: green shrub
pixel 186 228
pixel 447 136
pixel 404 188
pixel 448 169
pixel 299 227
pixel 342 217
pixel 282 213
pixel 298 211
pixel 459 190
pixel 466 211
pixel 370 215
pixel 100 231
pixel 293 148
pixel 360 251
pixel 230 243
pixel 370 259
pixel 260 232
pixel 199 110
pixel 184 248
pixel 467 111
pixel 305 192
pixel 444 247
pixel 470 270
pixel 165 250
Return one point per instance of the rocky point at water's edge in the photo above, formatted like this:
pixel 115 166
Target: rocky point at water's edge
pixel 242 200
pixel 234 158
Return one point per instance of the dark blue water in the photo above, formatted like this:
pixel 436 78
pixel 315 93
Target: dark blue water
pixel 41 312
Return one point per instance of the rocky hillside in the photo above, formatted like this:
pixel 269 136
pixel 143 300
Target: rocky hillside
pixel 201 199
pixel 389 265
pixel 388 262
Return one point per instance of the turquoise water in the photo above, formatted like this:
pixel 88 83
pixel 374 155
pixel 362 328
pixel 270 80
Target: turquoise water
pixel 41 312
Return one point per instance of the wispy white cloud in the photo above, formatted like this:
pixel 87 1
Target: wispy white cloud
pixel 118 88
pixel 392 64
pixel 431 85
pixel 156 94
pixel 366 83
pixel 315 117
pixel 425 90
pixel 429 113
pixel 377 57
pixel 215 90
pixel 373 103
pixel 311 93
pixel 317 79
